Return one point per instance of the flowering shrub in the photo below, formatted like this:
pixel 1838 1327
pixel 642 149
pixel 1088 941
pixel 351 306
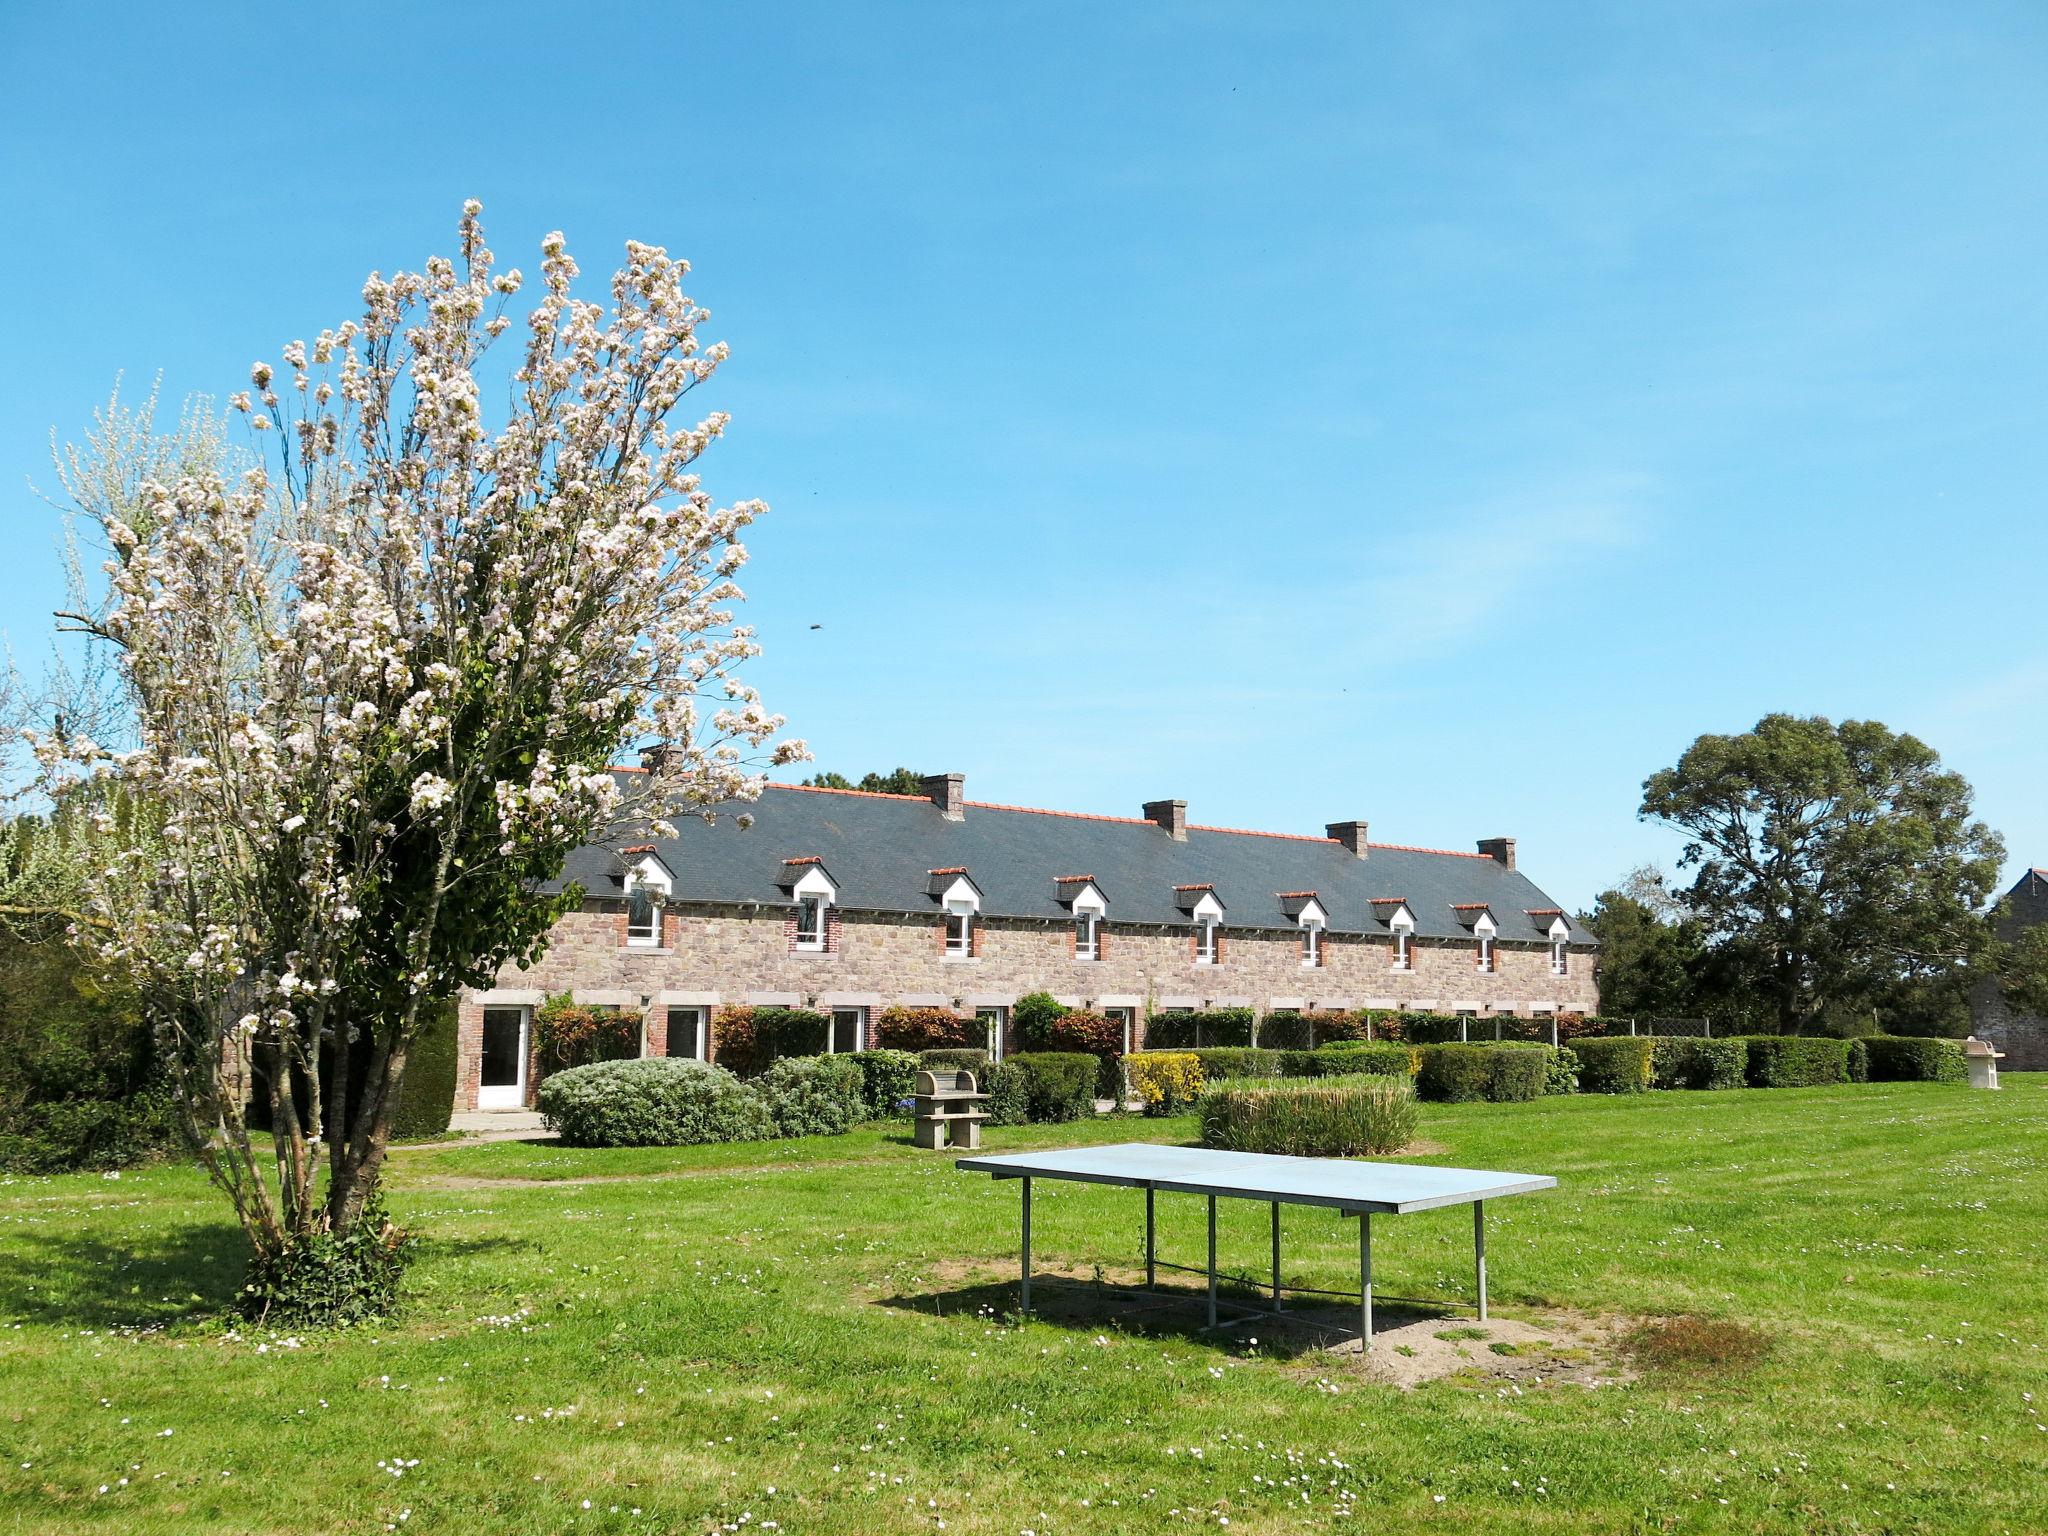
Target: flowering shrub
pixel 570 1034
pixel 376 684
pixel 812 1095
pixel 652 1101
pixel 1168 1081
pixel 923 1029
pixel 1350 1117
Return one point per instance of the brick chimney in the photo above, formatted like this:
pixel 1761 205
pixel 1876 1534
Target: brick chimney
pixel 948 791
pixel 1171 816
pixel 1350 833
pixel 1499 849
pixel 657 757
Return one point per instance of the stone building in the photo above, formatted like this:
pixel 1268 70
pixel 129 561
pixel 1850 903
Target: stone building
pixel 849 902
pixel 2022 1036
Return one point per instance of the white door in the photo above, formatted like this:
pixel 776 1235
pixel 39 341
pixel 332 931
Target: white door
pixel 501 1078
pixel 687 1033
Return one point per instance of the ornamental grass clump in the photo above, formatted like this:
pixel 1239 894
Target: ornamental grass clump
pixel 1364 1116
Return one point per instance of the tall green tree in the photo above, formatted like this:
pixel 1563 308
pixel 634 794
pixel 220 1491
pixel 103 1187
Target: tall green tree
pixel 1652 953
pixel 900 781
pixel 1837 869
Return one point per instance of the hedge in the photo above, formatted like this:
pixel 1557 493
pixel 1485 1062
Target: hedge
pixel 1186 1029
pixel 1351 1117
pixel 1380 1058
pixel 961 1058
pixel 813 1095
pixel 1914 1059
pixel 1167 1081
pixel 1455 1074
pixel 1291 1031
pixel 1238 1061
pixel 923 1029
pixel 887 1078
pixel 748 1039
pixel 1614 1063
pixel 652 1101
pixel 62 1135
pixel 1795 1061
pixel 1683 1061
pixel 426 1093
pixel 1039 1087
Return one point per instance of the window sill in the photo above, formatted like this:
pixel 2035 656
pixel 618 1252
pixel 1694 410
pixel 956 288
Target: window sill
pixel 952 959
pixel 644 949
pixel 806 949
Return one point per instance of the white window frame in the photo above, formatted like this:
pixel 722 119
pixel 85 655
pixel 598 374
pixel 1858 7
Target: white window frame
pixel 860 1024
pixel 648 878
pixel 960 939
pixel 813 942
pixel 1404 947
pixel 1206 950
pixel 1311 944
pixel 1087 934
pixel 995 1019
pixel 1560 955
pixel 701 1028
pixel 1484 931
pixel 1127 1016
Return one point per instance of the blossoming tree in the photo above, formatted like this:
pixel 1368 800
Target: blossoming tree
pixel 377 683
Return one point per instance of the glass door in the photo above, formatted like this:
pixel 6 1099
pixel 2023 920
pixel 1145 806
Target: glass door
pixel 687 1033
pixel 501 1075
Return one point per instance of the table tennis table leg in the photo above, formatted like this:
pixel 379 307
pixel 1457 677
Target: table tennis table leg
pixel 1212 1261
pixel 1365 1279
pixel 1024 1304
pixel 1151 1243
pixel 1276 1255
pixel 1479 1251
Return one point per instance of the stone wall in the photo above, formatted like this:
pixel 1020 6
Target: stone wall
pixel 2022 1036
pixel 711 956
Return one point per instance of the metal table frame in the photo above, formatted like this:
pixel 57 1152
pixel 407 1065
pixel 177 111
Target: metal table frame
pixel 1360 1189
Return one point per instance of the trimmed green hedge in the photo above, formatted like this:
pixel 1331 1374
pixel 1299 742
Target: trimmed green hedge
pixel 1914 1059
pixel 1457 1074
pixel 1795 1061
pixel 1180 1029
pixel 1381 1058
pixel 1044 1086
pixel 652 1101
pixel 953 1059
pixel 1614 1063
pixel 426 1093
pixel 1682 1061
pixel 1237 1061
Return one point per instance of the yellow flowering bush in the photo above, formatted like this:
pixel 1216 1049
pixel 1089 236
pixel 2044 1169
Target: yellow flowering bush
pixel 1168 1081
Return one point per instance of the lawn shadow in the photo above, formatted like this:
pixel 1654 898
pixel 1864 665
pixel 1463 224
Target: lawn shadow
pixel 1119 1302
pixel 148 1282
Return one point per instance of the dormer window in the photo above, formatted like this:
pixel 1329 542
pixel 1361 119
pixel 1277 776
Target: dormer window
pixel 810 886
pixel 648 883
pixel 1208 942
pixel 1484 960
pixel 1559 933
pixel 1206 912
pixel 1086 926
pixel 961 899
pixel 1310 918
pixel 1393 911
pixel 1078 894
pixel 643 917
pixel 1404 947
pixel 1484 932
pixel 810 922
pixel 1560 958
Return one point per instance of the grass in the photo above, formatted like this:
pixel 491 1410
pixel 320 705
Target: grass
pixel 807 1333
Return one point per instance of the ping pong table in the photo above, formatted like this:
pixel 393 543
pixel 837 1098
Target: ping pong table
pixel 1358 1189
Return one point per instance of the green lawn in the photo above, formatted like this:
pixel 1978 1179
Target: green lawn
pixel 795 1338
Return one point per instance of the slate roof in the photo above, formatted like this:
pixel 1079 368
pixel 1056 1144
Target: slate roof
pixel 881 849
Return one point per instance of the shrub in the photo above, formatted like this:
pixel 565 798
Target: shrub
pixel 748 1039
pixel 1079 1030
pixel 1057 1085
pixel 1353 1117
pixel 959 1058
pixel 325 1281
pixel 1614 1063
pixel 1291 1031
pixel 1034 1017
pixel 652 1101
pixel 1796 1061
pixel 1008 1100
pixel 1859 1061
pixel 1168 1081
pixel 812 1095
pixel 1915 1059
pixel 886 1079
pixel 1682 1061
pixel 569 1034
pixel 1421 1028
pixel 923 1029
pixel 1379 1058
pixel 426 1094
pixel 1183 1029
pixel 1561 1073
pixel 64 1135
pixel 1238 1061
pixel 1455 1074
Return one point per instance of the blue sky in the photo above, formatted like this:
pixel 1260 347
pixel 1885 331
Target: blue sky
pixel 1435 415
